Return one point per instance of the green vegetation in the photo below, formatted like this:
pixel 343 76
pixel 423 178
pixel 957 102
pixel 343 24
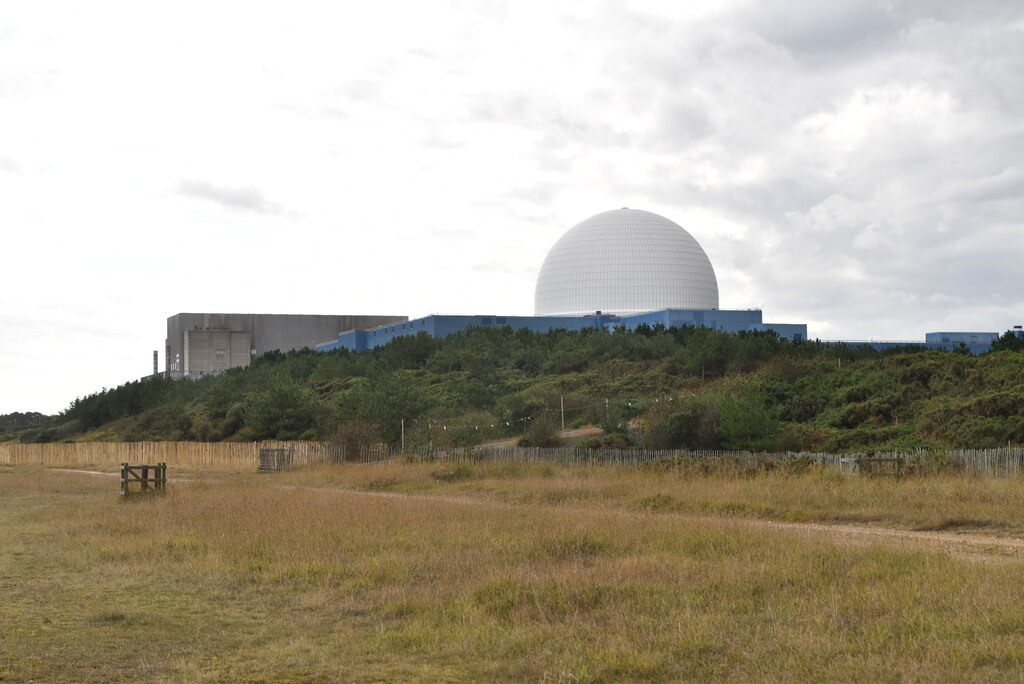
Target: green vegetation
pixel 11 423
pixel 656 388
pixel 498 572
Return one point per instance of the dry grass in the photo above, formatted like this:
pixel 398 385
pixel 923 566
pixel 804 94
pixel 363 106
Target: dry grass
pixel 935 502
pixel 245 579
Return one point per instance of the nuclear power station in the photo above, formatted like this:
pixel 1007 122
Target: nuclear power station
pixel 618 269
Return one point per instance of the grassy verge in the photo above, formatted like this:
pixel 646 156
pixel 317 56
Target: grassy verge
pixel 248 580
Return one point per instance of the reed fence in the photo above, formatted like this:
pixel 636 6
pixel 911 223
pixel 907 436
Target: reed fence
pixel 241 454
pixel 1003 462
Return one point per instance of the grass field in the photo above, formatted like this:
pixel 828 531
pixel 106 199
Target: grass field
pixel 504 573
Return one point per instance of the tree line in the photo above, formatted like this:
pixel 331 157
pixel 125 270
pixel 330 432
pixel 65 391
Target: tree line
pixel 652 387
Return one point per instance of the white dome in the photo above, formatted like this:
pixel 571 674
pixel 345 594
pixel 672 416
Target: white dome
pixel 625 261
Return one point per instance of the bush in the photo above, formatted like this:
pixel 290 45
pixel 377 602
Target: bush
pixel 541 432
pixel 695 426
pixel 283 410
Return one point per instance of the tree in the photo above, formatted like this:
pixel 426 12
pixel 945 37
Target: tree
pixel 746 423
pixel 1009 341
pixel 282 410
pixel 386 399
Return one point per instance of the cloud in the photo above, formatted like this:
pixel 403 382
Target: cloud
pixel 823 29
pixel 248 198
pixel 882 194
pixel 316 112
pixel 855 164
pixel 497 267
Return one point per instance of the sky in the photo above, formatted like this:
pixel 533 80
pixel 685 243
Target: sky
pixel 854 165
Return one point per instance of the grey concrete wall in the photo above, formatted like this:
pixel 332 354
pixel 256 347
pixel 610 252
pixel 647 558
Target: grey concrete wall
pixel 269 332
pixel 216 350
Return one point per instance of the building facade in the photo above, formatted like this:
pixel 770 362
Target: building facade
pixel 202 343
pixel 443 325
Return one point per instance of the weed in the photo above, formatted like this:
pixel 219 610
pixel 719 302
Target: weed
pixel 382 484
pixel 456 473
pixel 574 545
pixel 654 503
pixel 111 617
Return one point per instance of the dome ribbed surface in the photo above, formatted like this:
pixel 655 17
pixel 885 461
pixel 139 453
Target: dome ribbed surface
pixel 625 261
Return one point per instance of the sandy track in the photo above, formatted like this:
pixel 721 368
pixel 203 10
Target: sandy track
pixel 575 433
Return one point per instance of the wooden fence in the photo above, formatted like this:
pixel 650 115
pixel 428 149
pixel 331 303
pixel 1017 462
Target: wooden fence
pixel 1003 462
pixel 240 454
pixel 573 456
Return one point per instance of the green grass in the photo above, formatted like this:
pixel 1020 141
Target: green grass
pixel 294 578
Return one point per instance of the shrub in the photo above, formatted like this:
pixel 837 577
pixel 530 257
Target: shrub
pixel 542 431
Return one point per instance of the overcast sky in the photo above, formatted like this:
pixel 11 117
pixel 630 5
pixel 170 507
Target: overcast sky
pixel 858 166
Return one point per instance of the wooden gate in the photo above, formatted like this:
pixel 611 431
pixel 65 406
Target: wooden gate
pixel 139 474
pixel 273 459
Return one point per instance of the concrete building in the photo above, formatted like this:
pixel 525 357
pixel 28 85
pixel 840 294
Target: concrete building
pixel 201 343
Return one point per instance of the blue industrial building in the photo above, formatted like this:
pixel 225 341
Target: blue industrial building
pixel 438 325
pixel 967 338
pixel 725 320
pixel 975 342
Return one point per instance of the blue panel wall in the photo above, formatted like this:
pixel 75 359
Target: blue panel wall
pixel 719 319
pixel 732 321
pixel 442 326
pixel 965 337
pixel 974 347
pixel 788 331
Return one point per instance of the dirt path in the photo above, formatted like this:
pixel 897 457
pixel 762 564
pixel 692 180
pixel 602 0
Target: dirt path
pixel 574 434
pixel 970 545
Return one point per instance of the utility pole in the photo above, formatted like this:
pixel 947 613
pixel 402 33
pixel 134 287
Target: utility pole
pixel 561 401
pixel 403 435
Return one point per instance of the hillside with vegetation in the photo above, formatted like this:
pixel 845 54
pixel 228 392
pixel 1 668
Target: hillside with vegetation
pixel 653 388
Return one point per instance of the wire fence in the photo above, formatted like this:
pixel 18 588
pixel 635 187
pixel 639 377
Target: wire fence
pixel 1001 462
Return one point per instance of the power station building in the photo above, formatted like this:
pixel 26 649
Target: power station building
pixel 621 268
pixel 202 343
pixel 625 262
pixel 618 269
